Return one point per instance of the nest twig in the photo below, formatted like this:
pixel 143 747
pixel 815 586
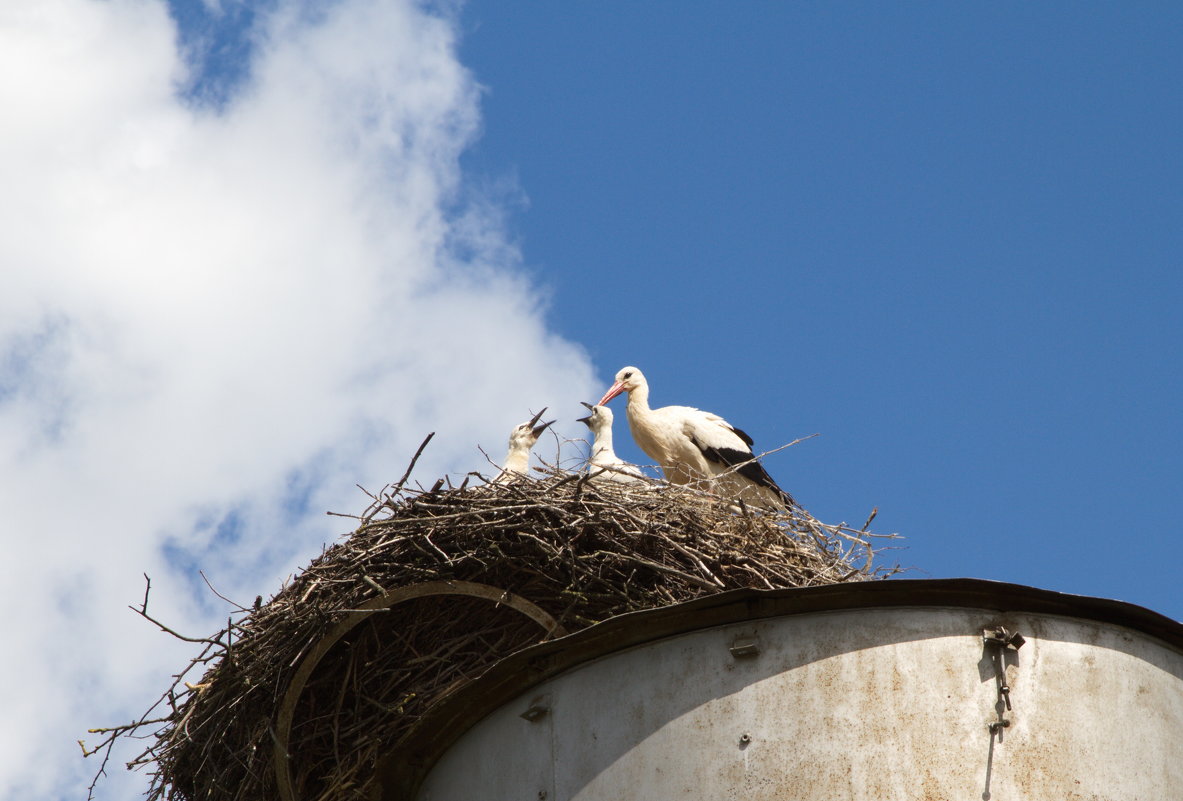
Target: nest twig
pixel 580 551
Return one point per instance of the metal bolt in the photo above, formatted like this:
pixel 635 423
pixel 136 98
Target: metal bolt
pixel 999 724
pixel 745 738
pixel 745 647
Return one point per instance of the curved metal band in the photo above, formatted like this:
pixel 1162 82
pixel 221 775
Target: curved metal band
pixel 287 709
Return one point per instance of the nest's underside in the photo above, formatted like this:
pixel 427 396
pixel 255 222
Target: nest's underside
pixel 579 551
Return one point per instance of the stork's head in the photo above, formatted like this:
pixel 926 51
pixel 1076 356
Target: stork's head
pixel 528 432
pixel 599 419
pixel 628 379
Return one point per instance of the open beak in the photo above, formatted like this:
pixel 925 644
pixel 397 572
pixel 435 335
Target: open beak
pixel 616 389
pixel 587 420
pixel 534 420
pixel 538 429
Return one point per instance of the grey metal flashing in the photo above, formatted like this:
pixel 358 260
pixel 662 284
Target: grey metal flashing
pixel 409 760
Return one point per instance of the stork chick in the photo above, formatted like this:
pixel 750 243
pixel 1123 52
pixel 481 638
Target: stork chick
pixel 604 464
pixel 521 441
pixel 692 445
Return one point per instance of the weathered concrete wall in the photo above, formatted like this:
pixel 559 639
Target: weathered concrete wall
pixel 874 704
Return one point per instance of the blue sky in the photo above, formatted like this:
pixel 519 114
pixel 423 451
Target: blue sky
pixel 946 236
pixel 257 250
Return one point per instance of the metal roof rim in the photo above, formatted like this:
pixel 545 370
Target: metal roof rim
pixel 409 760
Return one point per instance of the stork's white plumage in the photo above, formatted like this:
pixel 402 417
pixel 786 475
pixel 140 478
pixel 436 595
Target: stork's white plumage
pixel 604 464
pixel 521 440
pixel 693 445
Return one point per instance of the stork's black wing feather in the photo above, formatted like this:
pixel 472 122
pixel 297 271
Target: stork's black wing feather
pixel 754 472
pixel 744 436
pixel 744 463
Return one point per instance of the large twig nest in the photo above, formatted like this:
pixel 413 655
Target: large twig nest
pixel 432 588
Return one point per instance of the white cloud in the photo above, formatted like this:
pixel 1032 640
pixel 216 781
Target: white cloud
pixel 210 313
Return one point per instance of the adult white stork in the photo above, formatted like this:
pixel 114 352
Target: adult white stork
pixel 521 440
pixel 604 464
pixel 692 445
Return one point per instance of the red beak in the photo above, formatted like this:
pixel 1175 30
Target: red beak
pixel 616 389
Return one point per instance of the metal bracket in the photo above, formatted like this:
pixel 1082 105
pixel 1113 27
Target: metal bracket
pixel 1001 637
pixel 745 646
pixel 999 641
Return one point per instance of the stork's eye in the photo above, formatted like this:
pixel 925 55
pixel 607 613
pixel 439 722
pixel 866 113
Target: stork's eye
pixel 628 375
